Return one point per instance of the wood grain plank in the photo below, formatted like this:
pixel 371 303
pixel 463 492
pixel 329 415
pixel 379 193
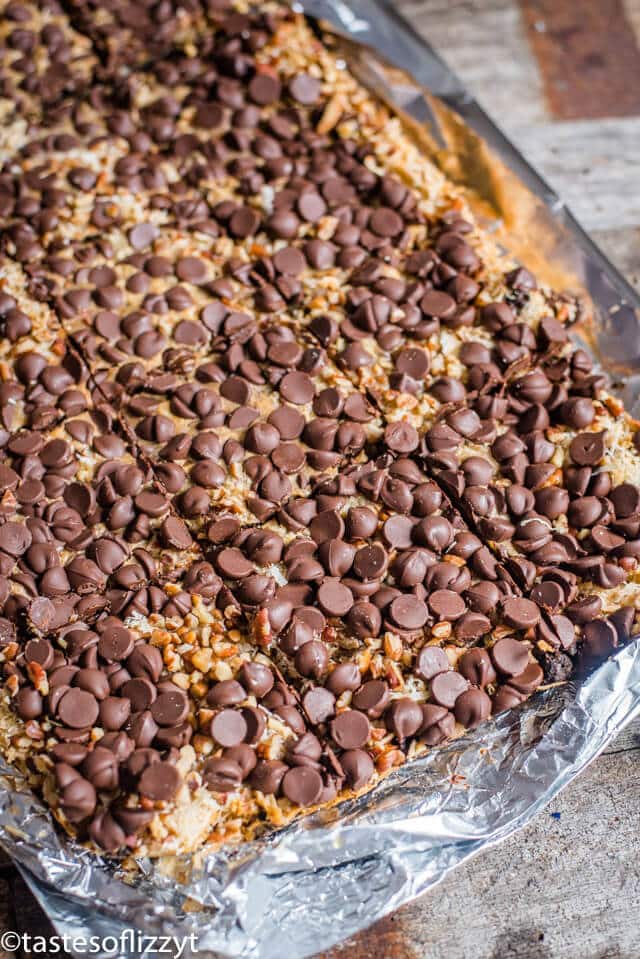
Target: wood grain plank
pixel 628 740
pixel 593 166
pixel 485 42
pixel 588 57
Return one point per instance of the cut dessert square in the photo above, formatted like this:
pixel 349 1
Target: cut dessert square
pixel 129 35
pixel 247 758
pixel 102 547
pixel 95 164
pixel 208 395
pixel 43 60
pixel 65 187
pixel 138 146
pixel 387 568
pixel 86 523
pixel 558 483
pixel 27 324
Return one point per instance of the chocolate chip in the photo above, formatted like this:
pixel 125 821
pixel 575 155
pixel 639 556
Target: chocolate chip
pixel 361 523
pixel 15 538
pixel 510 656
pixel 587 449
pixel 409 612
pixel 599 639
pixel 370 562
pixel 521 613
pixel 345 676
pixel 446 604
pixel 78 800
pixel 364 619
pixel 170 708
pixel 438 724
pixel 264 89
pixel 431 661
pixel 142 235
pixel 327 525
pixel 312 659
pixel 77 709
pixel 401 437
pixel 403 718
pixel 115 643
pixel 625 499
pixel 578 413
pixel 446 687
pixel 268 775
pixel 372 698
pixel 229 727
pixel 435 303
pixel 397 531
pixel 350 729
pixel 472 708
pixel 476 666
pixel 319 704
pixel 304 88
pixel 358 767
pixel 385 222
pixel 414 362
pixel 160 781
pixel 222 774
pixel 302 785
pixel 528 680
pixel 232 563
pixel 145 661
pixel 28 703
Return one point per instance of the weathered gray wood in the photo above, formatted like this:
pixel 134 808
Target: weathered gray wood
pixel 484 42
pixel 594 166
pixel 628 739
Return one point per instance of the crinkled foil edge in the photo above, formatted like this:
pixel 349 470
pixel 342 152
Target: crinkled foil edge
pixel 328 876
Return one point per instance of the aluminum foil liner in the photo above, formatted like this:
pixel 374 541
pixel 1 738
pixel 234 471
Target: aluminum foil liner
pixel 332 874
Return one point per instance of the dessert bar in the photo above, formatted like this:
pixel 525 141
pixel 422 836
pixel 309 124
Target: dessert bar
pixel 301 475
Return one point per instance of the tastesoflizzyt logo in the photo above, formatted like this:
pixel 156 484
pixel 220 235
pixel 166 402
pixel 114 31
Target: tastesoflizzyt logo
pixel 130 942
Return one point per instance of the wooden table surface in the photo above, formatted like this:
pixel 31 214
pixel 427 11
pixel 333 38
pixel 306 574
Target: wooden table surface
pixel 562 78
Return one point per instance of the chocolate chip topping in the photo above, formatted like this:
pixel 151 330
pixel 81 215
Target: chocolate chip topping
pixel 160 781
pixel 239 447
pixel 302 785
pixel 510 656
pixel 350 729
pixel 446 687
pixel 229 727
pixel 587 449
